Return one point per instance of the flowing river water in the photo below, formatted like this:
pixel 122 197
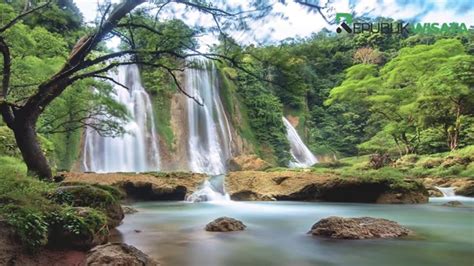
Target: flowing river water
pixel 173 233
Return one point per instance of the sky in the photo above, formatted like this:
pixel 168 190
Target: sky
pixel 299 22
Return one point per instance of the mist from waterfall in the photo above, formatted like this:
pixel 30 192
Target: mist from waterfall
pixel 209 134
pixel 301 155
pixel 137 149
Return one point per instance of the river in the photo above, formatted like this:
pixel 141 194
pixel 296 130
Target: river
pixel 173 233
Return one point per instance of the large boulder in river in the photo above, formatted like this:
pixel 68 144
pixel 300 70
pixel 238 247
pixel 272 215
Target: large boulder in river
pixel 248 163
pixel 358 228
pixel 118 254
pixel 225 224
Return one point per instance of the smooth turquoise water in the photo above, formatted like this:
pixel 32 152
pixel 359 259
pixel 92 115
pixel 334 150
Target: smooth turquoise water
pixel 173 233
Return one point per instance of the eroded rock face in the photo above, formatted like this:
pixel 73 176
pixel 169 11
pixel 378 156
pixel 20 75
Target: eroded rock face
pixel 358 228
pixel 225 224
pixel 307 186
pixel 248 163
pixel 247 195
pixel 264 186
pixel 118 254
pixel 145 186
pixel 150 191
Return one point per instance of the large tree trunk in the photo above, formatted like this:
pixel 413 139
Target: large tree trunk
pixel 27 141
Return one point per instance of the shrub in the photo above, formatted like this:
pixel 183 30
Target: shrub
pixel 77 227
pixel 29 225
pixel 379 160
pixel 7 143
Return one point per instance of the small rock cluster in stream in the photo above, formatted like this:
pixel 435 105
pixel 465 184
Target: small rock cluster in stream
pixel 453 203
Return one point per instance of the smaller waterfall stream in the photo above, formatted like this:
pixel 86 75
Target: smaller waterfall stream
pixel 447 191
pixel 302 156
pixel 137 149
pixel 212 189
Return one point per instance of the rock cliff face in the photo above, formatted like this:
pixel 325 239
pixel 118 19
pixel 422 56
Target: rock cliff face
pixel 260 185
pixel 175 158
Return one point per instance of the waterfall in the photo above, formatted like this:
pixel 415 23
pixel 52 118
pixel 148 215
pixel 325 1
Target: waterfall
pixel 137 149
pixel 212 189
pixel 447 191
pixel 302 156
pixel 209 131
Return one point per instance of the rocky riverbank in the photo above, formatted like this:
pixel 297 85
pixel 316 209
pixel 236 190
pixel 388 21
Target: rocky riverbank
pixel 261 185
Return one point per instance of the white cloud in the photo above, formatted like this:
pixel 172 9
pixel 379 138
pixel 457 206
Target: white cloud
pixel 301 23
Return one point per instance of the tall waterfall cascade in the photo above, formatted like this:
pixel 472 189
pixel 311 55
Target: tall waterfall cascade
pixel 301 155
pixel 209 134
pixel 137 149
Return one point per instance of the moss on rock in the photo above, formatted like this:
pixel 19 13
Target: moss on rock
pixel 94 196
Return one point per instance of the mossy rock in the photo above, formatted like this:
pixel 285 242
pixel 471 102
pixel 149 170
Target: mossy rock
pixel 77 227
pixel 93 196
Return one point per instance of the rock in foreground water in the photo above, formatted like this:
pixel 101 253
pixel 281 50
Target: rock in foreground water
pixel 453 203
pixel 118 254
pixel 358 228
pixel 225 224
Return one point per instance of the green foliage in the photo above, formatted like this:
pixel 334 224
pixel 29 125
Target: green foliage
pixel 265 116
pixel 26 205
pixel 82 222
pixel 9 148
pixel 233 104
pixel 421 96
pixel 29 225
pixel 85 196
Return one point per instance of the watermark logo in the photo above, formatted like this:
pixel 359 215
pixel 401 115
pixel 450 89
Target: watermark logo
pixel 346 24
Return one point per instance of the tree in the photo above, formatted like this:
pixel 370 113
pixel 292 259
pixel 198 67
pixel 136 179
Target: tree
pixel 425 87
pixel 447 100
pixel 367 55
pixel 85 61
